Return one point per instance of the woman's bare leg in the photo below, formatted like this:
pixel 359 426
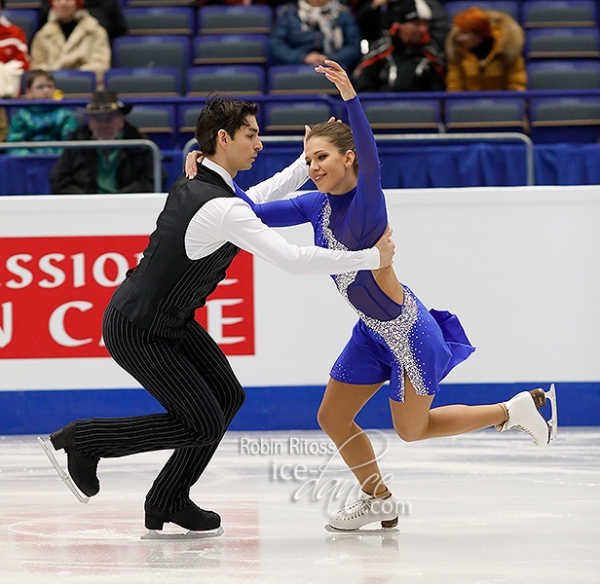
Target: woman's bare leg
pixel 341 403
pixel 414 420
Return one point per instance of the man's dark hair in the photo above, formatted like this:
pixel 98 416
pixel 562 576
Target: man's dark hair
pixel 1 4
pixel 221 113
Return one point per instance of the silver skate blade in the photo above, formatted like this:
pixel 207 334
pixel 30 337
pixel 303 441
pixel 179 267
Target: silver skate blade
pixel 553 422
pixel 362 531
pixel 157 535
pixel 49 450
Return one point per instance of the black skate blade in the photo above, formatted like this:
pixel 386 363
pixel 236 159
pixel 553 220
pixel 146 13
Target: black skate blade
pixel 363 531
pixel 157 535
pixel 48 449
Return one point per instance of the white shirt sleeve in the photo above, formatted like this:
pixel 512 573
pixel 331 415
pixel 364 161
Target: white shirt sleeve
pixel 231 219
pixel 283 183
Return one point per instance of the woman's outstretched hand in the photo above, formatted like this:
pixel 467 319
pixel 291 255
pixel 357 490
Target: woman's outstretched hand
pixel 336 74
pixel 192 160
pixel 386 248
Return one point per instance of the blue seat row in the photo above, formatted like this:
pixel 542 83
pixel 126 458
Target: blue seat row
pixel 165 81
pixel 546 118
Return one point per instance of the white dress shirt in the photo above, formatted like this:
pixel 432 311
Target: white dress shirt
pixel 232 219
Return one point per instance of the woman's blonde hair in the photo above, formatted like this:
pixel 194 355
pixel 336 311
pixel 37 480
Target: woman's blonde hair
pixel 340 136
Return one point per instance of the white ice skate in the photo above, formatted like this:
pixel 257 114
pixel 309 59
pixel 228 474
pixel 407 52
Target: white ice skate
pixel 368 509
pixel 523 414
pixel 49 450
pixel 153 534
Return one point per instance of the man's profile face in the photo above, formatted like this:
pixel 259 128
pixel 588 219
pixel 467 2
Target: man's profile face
pixel 413 32
pixel 106 126
pixel 244 146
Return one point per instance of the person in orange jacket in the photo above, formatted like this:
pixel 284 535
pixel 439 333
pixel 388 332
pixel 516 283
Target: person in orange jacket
pixel 485 52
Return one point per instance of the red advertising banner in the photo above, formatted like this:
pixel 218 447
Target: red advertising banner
pixel 53 292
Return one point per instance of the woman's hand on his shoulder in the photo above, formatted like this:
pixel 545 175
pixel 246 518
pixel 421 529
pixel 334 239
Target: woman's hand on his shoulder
pixel 192 160
pixel 336 74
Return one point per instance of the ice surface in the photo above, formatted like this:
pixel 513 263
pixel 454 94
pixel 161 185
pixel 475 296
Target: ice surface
pixel 478 508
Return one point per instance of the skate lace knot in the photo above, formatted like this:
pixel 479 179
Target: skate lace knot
pixel 355 510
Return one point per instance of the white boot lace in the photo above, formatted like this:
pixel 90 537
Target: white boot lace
pixel 355 510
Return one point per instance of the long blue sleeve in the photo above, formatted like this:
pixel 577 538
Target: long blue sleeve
pixel 302 209
pixel 359 218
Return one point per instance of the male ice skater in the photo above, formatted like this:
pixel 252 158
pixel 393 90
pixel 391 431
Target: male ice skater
pixel 149 327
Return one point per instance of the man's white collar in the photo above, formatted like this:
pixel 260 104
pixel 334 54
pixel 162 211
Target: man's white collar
pixel 220 171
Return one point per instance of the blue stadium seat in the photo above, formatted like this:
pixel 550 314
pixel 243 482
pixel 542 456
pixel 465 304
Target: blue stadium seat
pixel 564 119
pixel 160 20
pixel 297 79
pixel 152 51
pixel 144 81
pixel 157 121
pixel 510 8
pixel 74 82
pixel 232 49
pixel 26 19
pixel 559 13
pixel 187 116
pixel 232 19
pixel 562 43
pixel 230 79
pixel 409 116
pixel 291 116
pixel 22 4
pixel 485 114
pixel 563 74
pixel 160 3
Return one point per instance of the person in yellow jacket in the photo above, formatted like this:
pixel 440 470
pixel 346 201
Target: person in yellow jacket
pixel 71 39
pixel 485 52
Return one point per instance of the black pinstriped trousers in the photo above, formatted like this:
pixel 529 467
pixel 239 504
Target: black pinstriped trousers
pixel 192 380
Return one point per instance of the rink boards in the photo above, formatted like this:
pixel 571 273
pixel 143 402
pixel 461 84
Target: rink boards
pixel 520 266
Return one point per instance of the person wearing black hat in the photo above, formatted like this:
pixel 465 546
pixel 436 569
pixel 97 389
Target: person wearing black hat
pixel 104 170
pixel 406 58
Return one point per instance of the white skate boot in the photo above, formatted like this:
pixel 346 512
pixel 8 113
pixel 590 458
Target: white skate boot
pixel 367 509
pixel 523 414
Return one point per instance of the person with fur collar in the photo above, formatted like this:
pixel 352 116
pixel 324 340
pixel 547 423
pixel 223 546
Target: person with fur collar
pixel 310 31
pixel 71 39
pixel 485 52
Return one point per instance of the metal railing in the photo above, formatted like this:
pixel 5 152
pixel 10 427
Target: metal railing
pixel 441 137
pixel 156 155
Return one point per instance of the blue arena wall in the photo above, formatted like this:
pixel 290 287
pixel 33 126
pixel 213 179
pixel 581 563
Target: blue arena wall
pixel 270 408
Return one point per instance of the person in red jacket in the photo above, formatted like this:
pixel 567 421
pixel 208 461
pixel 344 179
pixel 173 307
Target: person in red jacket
pixel 14 57
pixel 14 60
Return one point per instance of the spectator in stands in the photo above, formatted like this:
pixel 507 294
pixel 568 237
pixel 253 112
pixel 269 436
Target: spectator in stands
pixel 369 16
pixel 41 122
pixel 107 12
pixel 406 58
pixel 310 31
pixel 71 39
pixel 14 60
pixel 108 169
pixel 485 52
pixel 372 18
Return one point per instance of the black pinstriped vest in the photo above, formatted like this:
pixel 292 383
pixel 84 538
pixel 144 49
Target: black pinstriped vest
pixel 163 292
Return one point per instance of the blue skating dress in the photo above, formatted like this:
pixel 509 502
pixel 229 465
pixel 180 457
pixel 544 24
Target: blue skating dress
pixel 389 339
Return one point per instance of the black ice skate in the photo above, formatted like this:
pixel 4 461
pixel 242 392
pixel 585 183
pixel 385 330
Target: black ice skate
pixel 75 463
pixel 199 523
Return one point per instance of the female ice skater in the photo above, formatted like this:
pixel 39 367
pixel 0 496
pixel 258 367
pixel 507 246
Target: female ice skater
pixel 396 338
